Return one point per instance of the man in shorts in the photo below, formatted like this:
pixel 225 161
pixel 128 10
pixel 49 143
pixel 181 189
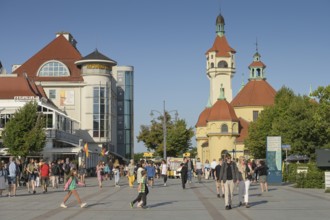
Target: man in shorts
pixel 12 177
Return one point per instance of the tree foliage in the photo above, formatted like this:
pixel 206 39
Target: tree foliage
pixel 24 133
pixel 301 121
pixel 178 136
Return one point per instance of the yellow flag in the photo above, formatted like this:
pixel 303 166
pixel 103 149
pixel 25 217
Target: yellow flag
pixel 86 149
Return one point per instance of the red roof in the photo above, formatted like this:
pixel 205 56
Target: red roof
pixel 243 130
pixel 255 93
pixel 221 47
pixel 222 111
pixel 59 49
pixel 202 119
pixel 19 86
pixel 257 64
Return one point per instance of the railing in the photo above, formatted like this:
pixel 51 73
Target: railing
pixel 62 136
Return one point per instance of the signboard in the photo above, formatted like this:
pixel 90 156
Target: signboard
pixel 186 154
pixel 286 146
pixel 148 154
pixel 274 159
pixel 327 180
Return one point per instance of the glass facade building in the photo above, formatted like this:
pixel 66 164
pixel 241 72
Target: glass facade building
pixel 125 109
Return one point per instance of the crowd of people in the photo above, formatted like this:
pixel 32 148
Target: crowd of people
pixel 227 174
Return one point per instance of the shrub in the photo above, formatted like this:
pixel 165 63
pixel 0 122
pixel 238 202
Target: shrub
pixel 314 178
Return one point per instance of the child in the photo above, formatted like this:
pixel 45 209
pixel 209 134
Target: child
pixel 142 189
pixel 71 185
pixel 116 173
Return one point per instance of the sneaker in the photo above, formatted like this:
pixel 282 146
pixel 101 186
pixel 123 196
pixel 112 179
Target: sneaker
pixel 227 207
pixel 223 196
pixel 82 205
pixel 131 204
pixel 63 205
pixel 218 195
pixel 247 205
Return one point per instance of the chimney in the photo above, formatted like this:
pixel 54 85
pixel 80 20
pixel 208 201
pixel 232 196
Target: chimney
pixel 67 36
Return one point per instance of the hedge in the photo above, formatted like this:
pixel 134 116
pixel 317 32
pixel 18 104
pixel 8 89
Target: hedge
pixel 314 178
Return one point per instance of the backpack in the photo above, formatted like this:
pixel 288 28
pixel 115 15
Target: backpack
pixel 55 170
pixel 66 168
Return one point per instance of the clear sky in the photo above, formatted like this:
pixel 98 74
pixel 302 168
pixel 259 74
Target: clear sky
pixel 166 41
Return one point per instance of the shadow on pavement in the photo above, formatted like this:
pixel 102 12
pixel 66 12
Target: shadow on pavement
pixel 161 204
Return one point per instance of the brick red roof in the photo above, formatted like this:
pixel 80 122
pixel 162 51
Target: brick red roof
pixel 255 93
pixel 257 64
pixel 243 130
pixel 221 47
pixel 202 119
pixel 59 49
pixel 19 86
pixel 222 111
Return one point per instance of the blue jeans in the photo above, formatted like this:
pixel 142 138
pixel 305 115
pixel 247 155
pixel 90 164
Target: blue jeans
pixel 189 175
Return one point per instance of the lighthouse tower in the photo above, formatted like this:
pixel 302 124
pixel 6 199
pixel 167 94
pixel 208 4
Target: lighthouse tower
pixel 220 64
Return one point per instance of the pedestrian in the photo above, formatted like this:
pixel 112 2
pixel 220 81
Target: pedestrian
pixel 12 174
pixel 199 170
pixel 151 172
pixel 142 190
pixel 116 173
pixel 245 176
pixel 71 185
pixel 184 173
pixel 131 173
pixel 219 183
pixel 213 165
pixel 207 169
pixel 66 169
pixel 106 171
pixel 32 175
pixel 82 173
pixel 163 168
pixel 262 170
pixel 55 174
pixel 190 166
pixel 3 178
pixel 229 176
pixel 100 173
pixel 44 174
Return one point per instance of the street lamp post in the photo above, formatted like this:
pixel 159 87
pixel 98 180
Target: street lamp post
pixel 164 125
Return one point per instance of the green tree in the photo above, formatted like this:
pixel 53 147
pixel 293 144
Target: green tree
pixel 24 133
pixel 301 122
pixel 178 136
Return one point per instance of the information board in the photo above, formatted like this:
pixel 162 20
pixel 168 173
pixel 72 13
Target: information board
pixel 274 159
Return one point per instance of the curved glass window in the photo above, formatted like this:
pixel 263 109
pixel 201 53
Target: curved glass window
pixel 54 69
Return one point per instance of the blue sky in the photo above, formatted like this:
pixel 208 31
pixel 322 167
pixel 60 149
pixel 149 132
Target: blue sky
pixel 166 42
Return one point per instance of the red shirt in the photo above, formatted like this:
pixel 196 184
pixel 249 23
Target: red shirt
pixel 44 170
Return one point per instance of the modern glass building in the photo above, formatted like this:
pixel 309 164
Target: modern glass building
pixel 125 108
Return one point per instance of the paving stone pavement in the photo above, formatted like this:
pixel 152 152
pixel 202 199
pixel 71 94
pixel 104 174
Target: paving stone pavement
pixel 197 201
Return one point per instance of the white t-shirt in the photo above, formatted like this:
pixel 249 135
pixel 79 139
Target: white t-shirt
pixel 198 165
pixel 213 164
pixel 164 169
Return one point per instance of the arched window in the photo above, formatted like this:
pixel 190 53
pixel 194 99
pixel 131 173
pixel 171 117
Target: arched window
pixel 212 65
pixel 53 68
pixel 224 128
pixel 258 72
pixel 222 64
